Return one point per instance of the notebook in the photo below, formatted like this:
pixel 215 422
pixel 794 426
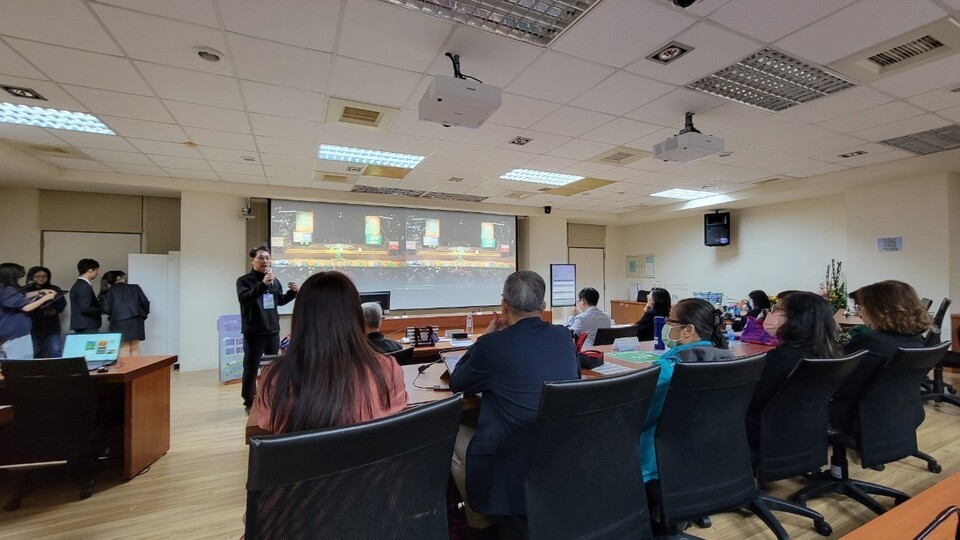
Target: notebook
pixel 452 358
pixel 98 349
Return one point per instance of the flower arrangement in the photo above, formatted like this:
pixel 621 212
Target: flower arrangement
pixel 833 288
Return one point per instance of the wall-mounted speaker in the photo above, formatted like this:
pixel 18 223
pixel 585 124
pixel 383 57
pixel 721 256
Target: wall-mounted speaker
pixel 716 229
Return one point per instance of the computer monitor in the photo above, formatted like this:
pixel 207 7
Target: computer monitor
pixel 98 349
pixel 380 297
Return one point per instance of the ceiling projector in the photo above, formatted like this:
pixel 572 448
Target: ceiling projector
pixel 688 145
pixel 452 101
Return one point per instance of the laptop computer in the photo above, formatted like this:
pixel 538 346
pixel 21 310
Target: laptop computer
pixel 98 349
pixel 452 358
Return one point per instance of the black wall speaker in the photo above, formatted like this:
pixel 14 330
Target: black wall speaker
pixel 716 229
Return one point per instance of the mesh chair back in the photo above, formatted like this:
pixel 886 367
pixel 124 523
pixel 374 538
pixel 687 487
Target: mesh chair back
pixel 584 479
pixel 941 313
pixel 605 336
pixel 926 303
pixel 889 406
pixel 793 425
pixel 381 479
pixel 404 356
pixel 54 411
pixel 701 439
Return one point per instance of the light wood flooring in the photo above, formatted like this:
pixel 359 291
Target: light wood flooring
pixel 197 489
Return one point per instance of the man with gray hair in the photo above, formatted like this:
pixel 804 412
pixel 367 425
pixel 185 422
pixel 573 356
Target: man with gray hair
pixel 372 316
pixel 507 365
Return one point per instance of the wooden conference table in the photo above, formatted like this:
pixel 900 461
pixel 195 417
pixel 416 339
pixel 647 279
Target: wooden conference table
pixel 907 519
pixel 140 387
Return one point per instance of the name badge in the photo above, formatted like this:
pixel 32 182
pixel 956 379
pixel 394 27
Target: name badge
pixel 268 302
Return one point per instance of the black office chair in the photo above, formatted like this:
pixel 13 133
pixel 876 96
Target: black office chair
pixel 939 390
pixel 55 410
pixel 936 384
pixel 584 479
pixel 605 336
pixel 701 440
pixel 381 479
pixel 790 436
pixel 926 303
pixel 886 428
pixel 403 356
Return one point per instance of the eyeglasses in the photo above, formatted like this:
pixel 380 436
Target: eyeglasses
pixel 262 258
pixel 674 322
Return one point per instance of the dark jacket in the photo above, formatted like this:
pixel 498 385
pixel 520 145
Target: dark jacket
pixel 880 346
pixel 84 307
pixel 776 368
pixel 509 368
pixel 124 301
pixel 255 319
pixel 46 325
pixel 740 322
pixel 14 322
pixel 645 324
pixel 382 343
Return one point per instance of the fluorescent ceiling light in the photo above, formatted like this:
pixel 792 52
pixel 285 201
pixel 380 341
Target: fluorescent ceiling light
pixel 368 157
pixel 25 115
pixel 541 177
pixel 683 194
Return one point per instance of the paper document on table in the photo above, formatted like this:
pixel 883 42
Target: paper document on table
pixel 610 369
pixel 635 357
pixel 460 342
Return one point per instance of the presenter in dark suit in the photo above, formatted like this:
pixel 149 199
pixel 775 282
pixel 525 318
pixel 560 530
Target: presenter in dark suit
pixel 259 295
pixel 508 365
pixel 84 307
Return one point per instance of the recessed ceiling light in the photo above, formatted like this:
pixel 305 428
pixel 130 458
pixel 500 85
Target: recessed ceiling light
pixel 368 157
pixel 25 115
pixel 520 141
pixel 669 53
pixel 23 93
pixel 208 53
pixel 683 194
pixel 852 154
pixel 541 177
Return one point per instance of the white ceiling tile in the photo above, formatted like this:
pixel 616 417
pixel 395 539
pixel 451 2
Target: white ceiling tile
pixel 937 100
pixel 903 127
pixel 137 169
pixel 192 86
pixel 56 97
pixel 857 27
pixel 621 174
pixel 287 147
pixel 952 113
pixel 279 126
pixel 621 93
pixel 462 151
pixel 180 163
pixel 521 111
pixel 237 168
pixel 842 103
pixel 829 145
pixel 620 131
pixel 12 63
pixel 164 41
pixel 281 101
pixel 770 21
pixel 670 109
pixel 279 64
pixel 165 148
pixel 873 159
pixel 372 83
pixel 190 173
pixel 126 127
pixel 486 56
pixel 791 140
pixel 571 121
pixel 506 157
pixel 408 123
pixel 290 162
pixel 288 182
pixel 489 134
pixel 117 104
pixel 83 68
pixel 30 134
pixel 53 21
pixel 616 32
pixel 955 4
pixel 331 186
pixel 550 163
pixel 221 139
pixel 68 163
pixel 391 35
pixel 833 156
pixel 225 154
pixel 191 114
pixel 195 11
pixel 311 24
pixel 713 48
pixel 95 140
pixel 727 116
pixel 243 178
pixel 586 168
pixel 875 116
pixel 133 158
pixel 580 149
pixel 541 143
pixel 558 78
pixel 347 135
pixel 409 144
pixel 929 76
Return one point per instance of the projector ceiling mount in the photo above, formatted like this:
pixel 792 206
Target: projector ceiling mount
pixel 688 145
pixel 455 58
pixel 457 102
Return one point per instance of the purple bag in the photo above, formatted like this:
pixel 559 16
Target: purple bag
pixel 753 332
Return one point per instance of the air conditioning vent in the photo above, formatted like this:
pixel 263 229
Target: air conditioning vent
pixel 620 155
pixel 928 142
pixel 452 196
pixel 359 114
pixel 62 152
pixel 360 188
pixel 363 117
pixel 906 51
pixel 44 150
pixel 319 176
pixel 519 195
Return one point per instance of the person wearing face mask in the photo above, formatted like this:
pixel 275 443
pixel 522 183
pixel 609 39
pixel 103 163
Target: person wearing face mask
pixel 45 329
pixel 693 333
pixel 760 305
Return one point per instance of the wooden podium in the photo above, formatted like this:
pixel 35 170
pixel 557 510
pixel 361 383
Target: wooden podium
pixel 625 311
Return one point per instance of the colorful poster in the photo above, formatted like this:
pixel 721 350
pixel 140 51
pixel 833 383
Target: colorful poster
pixel 431 232
pixel 230 339
pixel 487 239
pixel 371 231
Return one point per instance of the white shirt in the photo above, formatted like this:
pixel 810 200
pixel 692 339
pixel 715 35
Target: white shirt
pixel 589 321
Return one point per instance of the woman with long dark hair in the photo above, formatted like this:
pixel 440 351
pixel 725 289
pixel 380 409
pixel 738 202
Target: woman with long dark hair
pixel 759 306
pixel 45 327
pixel 658 305
pixel 15 339
pixel 692 333
pixel 127 308
pixel 331 375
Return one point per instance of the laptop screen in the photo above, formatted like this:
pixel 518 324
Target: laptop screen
pixel 93 347
pixel 452 358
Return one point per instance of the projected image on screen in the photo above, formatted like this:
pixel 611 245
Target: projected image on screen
pixel 425 258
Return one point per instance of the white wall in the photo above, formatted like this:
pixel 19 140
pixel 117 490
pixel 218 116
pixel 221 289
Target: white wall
pixel 20 229
pixel 547 245
pixel 212 255
pixel 953 240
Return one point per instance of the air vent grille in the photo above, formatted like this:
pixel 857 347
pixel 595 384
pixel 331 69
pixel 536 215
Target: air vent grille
pixel 906 51
pixel 928 142
pixel 772 81
pixel 416 194
pixel 452 196
pixel 363 117
pixel 358 114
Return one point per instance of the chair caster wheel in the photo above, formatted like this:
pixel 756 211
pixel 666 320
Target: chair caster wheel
pixel 704 522
pixel 935 468
pixel 879 468
pixel 823 528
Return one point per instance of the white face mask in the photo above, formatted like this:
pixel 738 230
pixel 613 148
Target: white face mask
pixel 665 335
pixel 772 322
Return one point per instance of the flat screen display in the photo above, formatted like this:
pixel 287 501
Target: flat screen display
pixel 563 285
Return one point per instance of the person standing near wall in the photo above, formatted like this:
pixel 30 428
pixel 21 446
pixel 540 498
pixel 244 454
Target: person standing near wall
pixel 15 339
pixel 127 308
pixel 45 321
pixel 259 295
pixel 84 307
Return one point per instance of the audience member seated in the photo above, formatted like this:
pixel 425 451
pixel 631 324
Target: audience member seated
pixel 331 375
pixel 692 333
pixel 805 330
pixel 586 317
pixel 372 316
pixel 759 305
pixel 508 366
pixel 892 310
pixel 658 305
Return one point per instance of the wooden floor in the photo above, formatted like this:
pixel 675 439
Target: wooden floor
pixel 197 489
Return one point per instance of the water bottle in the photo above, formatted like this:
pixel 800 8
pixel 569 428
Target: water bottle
pixel 730 334
pixel 658 323
pixel 469 323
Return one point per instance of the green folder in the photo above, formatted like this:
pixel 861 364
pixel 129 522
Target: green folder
pixel 635 357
